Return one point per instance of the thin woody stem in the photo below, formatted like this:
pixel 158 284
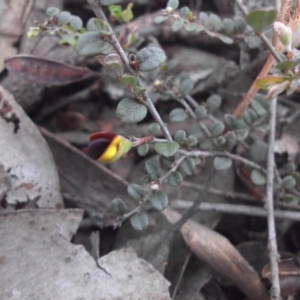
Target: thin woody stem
pixel 97 8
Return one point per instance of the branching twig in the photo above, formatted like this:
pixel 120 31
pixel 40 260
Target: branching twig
pixel 235 157
pixel 97 8
pixel 238 209
pixel 275 289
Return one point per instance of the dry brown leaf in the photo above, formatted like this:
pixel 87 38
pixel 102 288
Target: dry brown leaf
pixel 218 253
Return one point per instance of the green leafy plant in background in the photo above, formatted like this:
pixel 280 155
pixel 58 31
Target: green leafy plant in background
pixel 148 77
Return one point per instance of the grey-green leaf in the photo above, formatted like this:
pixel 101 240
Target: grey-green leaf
pixel 76 22
pixel 167 149
pixel 259 151
pixel 110 2
pixel 114 70
pixel 186 85
pixel 130 111
pixel 177 24
pixel 178 115
pixel 154 129
pixel 187 166
pixel 191 141
pixel 140 221
pixel 160 19
pixel 200 112
pixel 64 17
pixel 258 177
pixel 118 207
pixel 261 19
pixel 180 137
pixel 230 121
pixel 213 102
pixel 159 200
pixel 136 192
pixel 91 43
pixel 258 108
pixel 153 169
pixel 150 58
pixel 143 149
pixel 288 182
pixel 128 80
pixel 51 11
pixel 175 179
pixel 216 128
pixel 173 4
pixel 222 163
pixel 230 140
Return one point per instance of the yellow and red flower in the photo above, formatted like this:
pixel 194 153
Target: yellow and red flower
pixel 107 147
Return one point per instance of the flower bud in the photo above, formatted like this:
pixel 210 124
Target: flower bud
pixel 107 147
pixel 284 33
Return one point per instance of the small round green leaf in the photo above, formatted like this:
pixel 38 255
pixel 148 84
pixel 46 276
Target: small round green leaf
pixel 150 58
pixel 221 141
pixel 167 149
pixel 173 4
pixel 178 115
pixel 288 182
pixel 160 19
pixel 51 11
pixel 166 162
pixel 206 144
pixel 186 85
pixel 261 19
pixel 258 108
pixel 128 80
pixel 214 102
pixel 222 163
pixel 180 137
pixel 185 11
pixel 216 128
pixel 136 192
pixel 230 121
pixel 177 24
pixel 259 151
pixel 258 177
pixel 187 166
pixel 228 26
pixel 130 111
pixel 153 169
pixel 64 17
pixel 118 207
pixel 114 70
pixel 240 24
pixel 175 179
pixel 143 149
pixel 154 129
pixel 215 22
pixel 76 22
pixel 249 116
pixel 159 200
pixel 110 2
pixel 201 112
pixel 140 221
pixel 230 140
pixel 191 141
pixel 90 25
pixel 91 43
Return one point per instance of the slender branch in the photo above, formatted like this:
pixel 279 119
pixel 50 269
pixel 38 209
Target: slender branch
pixel 232 195
pixel 235 157
pixel 261 35
pixel 181 274
pixel 97 8
pixel 236 209
pixel 274 256
pixel 175 166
